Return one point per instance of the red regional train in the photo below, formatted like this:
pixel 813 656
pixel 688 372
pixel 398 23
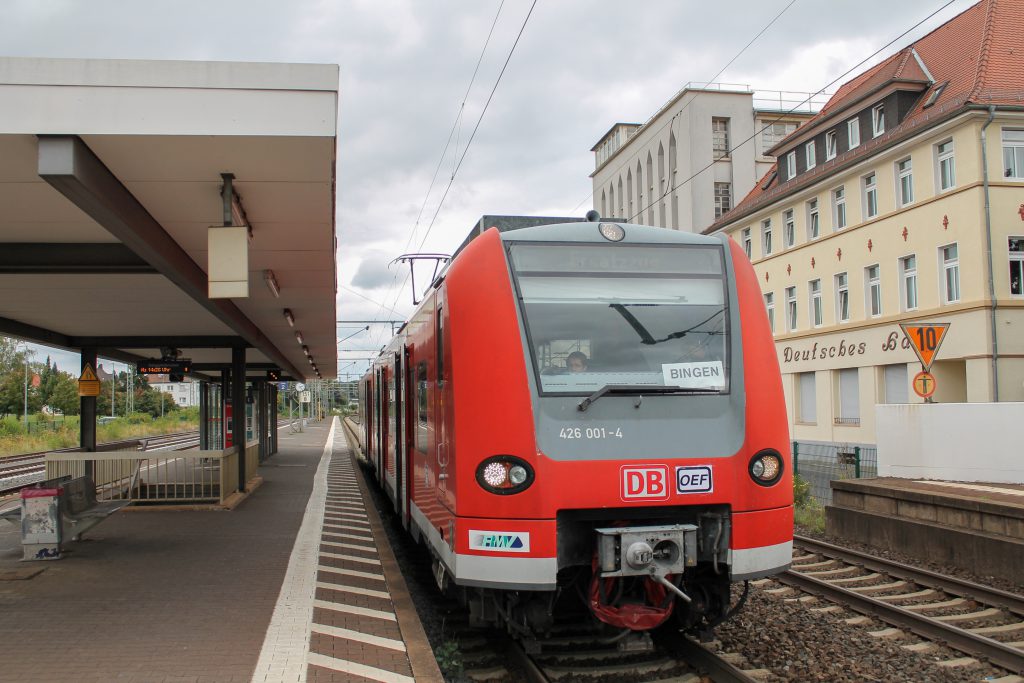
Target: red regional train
pixel 588 409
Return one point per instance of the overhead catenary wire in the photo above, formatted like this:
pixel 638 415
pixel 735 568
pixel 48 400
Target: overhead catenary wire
pixel 472 136
pixel 729 152
pixel 687 103
pixel 444 152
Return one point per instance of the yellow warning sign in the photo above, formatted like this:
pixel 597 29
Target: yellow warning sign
pixel 88 383
pixel 926 338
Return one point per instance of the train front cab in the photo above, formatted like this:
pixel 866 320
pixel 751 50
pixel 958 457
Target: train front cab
pixel 596 462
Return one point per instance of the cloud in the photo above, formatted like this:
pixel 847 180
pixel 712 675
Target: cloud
pixel 373 271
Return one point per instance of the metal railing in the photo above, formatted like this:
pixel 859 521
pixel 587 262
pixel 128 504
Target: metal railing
pixel 158 477
pixel 820 463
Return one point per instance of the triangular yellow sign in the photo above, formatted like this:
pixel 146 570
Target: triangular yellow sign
pixel 87 374
pixel 926 338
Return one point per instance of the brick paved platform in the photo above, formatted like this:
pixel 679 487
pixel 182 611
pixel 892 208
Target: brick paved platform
pixel 289 585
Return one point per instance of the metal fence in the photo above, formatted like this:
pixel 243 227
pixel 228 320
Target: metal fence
pixel 820 463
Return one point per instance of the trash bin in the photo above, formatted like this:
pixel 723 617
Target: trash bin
pixel 40 523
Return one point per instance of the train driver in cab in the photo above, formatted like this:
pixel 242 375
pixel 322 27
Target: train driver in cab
pixel 576 361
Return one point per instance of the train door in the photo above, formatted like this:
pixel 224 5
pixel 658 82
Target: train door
pixel 381 417
pixel 409 420
pixel 399 436
pixel 441 408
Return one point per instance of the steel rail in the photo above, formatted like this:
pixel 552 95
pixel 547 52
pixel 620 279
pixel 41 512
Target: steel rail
pixel 534 674
pixel 700 657
pixel 997 653
pixel 990 596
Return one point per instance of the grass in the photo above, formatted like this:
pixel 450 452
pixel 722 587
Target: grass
pixel 808 512
pixel 14 440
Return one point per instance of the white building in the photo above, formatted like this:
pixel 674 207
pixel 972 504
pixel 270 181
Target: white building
pixel 185 394
pixel 685 166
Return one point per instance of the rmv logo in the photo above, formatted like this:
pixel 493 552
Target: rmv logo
pixel 500 542
pixel 645 481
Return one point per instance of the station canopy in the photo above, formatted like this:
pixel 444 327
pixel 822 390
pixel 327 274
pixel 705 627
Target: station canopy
pixel 111 175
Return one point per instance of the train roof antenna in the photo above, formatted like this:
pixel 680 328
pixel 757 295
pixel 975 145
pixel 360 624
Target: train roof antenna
pixel 411 259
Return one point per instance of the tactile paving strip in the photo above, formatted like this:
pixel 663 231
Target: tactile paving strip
pixel 354 631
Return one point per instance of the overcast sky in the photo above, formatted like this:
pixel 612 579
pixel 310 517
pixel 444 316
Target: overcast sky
pixel 579 67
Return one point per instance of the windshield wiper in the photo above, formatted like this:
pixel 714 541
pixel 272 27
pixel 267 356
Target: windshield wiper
pixel 641 389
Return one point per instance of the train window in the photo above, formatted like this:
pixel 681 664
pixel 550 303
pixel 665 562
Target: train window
pixel 624 315
pixel 421 407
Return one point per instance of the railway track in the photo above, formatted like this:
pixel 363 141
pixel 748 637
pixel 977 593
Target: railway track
pixel 581 652
pixel 979 621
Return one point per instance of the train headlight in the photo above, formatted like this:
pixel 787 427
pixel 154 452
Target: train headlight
pixel 611 232
pixel 766 467
pixel 504 474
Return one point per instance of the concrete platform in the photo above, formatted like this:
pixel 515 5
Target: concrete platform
pixel 977 526
pixel 269 591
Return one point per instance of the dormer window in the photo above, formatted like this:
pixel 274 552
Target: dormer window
pixel 809 154
pixel 878 120
pixel 791 165
pixel 830 145
pixel 853 132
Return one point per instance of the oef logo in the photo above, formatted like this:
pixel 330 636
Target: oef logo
pixel 645 481
pixel 694 479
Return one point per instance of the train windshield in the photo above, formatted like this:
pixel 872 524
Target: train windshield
pixel 624 316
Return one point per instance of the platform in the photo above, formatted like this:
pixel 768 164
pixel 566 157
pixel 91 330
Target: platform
pixel 291 585
pixel 977 526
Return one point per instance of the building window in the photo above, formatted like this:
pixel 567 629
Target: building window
pixel 873 291
pixel 1013 153
pixel 848 412
pixel 809 155
pixel 894 378
pixel 723 198
pixel 720 137
pixel 774 133
pixel 814 287
pixel 790 308
pixel 766 237
pixel 769 304
pixel 788 228
pixel 791 165
pixel 853 132
pixel 950 273
pixel 830 145
pixel 947 168
pixel 1017 266
pixel 808 413
pixel 870 196
pixel 746 241
pixel 878 120
pixel 839 208
pixel 908 274
pixel 842 298
pixel 813 228
pixel 905 181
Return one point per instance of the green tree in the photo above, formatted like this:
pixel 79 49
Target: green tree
pixel 64 396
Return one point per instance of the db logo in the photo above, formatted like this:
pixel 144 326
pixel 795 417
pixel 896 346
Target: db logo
pixel 645 481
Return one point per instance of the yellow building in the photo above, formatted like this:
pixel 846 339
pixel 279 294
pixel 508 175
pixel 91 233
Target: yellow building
pixel 902 201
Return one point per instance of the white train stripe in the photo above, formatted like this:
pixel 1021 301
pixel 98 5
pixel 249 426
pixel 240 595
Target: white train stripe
pixel 349 634
pixel 349 558
pixel 355 590
pixel 352 609
pixel 356 669
pixel 350 572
